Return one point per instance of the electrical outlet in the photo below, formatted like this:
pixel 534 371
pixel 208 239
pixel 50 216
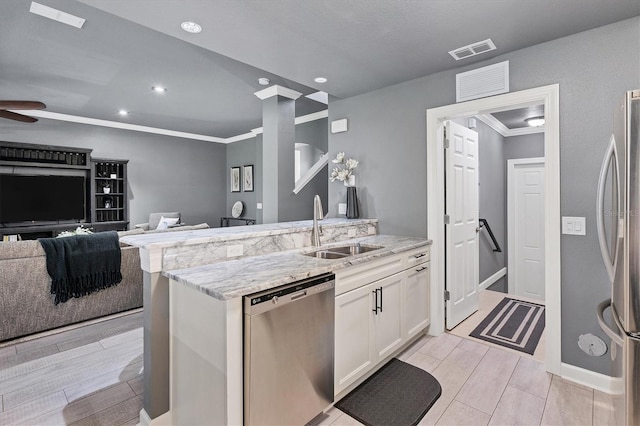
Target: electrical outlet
pixel 342 208
pixel 235 250
pixel 259 206
pixel 351 233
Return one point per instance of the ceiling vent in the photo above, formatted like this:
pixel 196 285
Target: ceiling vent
pixel 482 82
pixel 56 15
pixel 473 49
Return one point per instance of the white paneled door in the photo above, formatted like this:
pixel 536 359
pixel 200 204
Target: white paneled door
pixel 525 211
pixel 461 204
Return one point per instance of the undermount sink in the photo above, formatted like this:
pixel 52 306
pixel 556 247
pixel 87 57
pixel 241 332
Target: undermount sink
pixel 340 252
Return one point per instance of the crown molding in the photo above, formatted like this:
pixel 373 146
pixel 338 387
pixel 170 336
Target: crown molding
pixel 497 125
pixel 276 90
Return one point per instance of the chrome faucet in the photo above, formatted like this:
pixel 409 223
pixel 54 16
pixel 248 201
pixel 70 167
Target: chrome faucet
pixel 317 215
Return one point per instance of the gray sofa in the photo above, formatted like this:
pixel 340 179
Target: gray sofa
pixel 26 303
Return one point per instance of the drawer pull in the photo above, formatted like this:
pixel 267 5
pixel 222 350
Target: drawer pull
pixel 421 269
pixel 418 256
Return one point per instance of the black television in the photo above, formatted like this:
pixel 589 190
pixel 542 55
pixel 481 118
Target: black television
pixel 40 198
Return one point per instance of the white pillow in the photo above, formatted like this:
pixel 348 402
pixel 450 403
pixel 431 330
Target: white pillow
pixel 166 222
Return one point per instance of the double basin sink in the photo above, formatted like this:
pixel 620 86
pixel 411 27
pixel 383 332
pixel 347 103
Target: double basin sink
pixel 340 252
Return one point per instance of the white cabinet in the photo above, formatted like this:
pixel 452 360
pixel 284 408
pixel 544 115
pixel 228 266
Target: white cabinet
pixel 416 299
pixel 374 319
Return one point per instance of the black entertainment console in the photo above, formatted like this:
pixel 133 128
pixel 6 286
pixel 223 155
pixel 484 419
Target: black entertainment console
pixel 49 189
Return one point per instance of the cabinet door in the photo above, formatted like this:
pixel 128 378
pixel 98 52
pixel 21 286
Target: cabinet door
pixel 353 336
pixel 388 320
pixel 416 299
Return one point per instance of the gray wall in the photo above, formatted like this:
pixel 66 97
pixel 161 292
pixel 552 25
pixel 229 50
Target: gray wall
pixel 296 206
pixel 387 134
pixel 239 154
pixel 165 173
pixel 525 146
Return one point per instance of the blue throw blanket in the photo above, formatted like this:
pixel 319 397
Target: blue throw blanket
pixel 82 264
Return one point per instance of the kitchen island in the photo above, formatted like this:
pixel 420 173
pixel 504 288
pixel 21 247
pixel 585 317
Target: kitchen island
pixel 206 320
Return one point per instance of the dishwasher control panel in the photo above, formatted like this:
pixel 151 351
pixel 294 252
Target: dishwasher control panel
pixel 290 292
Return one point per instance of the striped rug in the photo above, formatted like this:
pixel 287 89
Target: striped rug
pixel 514 324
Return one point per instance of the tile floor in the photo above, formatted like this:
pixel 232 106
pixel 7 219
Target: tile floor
pixel 92 375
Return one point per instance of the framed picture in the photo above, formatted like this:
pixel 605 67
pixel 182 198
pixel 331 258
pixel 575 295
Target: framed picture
pixel 235 179
pixel 247 178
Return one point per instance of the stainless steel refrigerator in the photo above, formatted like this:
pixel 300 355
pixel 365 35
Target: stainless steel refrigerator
pixel 618 222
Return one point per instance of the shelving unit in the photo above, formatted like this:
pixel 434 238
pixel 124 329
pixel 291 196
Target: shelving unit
pixel 109 208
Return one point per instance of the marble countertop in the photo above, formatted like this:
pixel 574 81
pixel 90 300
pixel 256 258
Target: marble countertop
pixel 174 238
pixel 235 278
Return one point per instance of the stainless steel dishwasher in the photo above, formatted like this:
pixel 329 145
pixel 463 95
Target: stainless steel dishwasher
pixel 288 352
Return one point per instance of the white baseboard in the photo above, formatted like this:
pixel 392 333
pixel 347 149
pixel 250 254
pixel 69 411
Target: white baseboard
pixel 582 376
pixel 493 278
pixel 162 420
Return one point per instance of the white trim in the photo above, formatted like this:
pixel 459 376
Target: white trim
pixel 276 90
pixel 119 125
pixel 158 131
pixel 493 278
pixel 585 377
pixel 312 117
pixel 506 132
pixel 311 173
pixel 549 96
pixel 511 234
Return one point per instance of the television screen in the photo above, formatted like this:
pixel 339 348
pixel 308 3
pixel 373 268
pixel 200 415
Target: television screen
pixel 41 198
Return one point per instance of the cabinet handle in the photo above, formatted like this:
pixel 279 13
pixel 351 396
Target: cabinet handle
pixel 418 256
pixel 376 302
pixel 380 299
pixel 421 269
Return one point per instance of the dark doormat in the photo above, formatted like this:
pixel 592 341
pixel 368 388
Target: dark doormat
pixel 513 324
pixel 396 395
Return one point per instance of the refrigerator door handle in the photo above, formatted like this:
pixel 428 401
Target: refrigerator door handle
pixel 609 260
pixel 615 336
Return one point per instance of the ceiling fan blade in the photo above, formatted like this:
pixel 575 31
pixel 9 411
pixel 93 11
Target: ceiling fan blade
pixel 22 105
pixel 18 117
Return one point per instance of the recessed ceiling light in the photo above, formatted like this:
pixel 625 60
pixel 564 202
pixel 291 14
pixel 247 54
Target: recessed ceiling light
pixel 535 121
pixel 123 112
pixel 263 81
pixel 320 79
pixel 191 27
pixel 159 89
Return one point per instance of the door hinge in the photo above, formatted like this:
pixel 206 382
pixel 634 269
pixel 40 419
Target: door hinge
pixel 446 219
pixel 446 144
pixel 447 295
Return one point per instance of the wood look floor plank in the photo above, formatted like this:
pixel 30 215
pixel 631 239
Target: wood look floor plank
pixel 94 384
pixel 33 385
pixel 423 361
pixel 118 339
pixel 472 346
pixel 485 386
pixel 85 407
pixel 133 321
pixel 413 348
pixel 7 350
pixel 96 337
pixel 115 415
pixel 441 346
pixel 46 361
pixel 603 409
pixel 26 356
pixel 137 384
pixel 22 414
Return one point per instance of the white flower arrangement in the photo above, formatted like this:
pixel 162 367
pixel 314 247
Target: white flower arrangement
pixel 344 169
pixel 80 230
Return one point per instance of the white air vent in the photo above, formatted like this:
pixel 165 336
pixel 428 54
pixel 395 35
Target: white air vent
pixel 482 82
pixel 473 49
pixel 56 15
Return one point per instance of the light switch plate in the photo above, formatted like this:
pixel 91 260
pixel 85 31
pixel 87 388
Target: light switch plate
pixel 234 250
pixel 371 230
pixel 342 208
pixel 259 206
pixel 351 233
pixel 574 225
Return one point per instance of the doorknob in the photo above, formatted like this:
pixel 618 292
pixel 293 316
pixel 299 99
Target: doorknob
pixel 478 228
